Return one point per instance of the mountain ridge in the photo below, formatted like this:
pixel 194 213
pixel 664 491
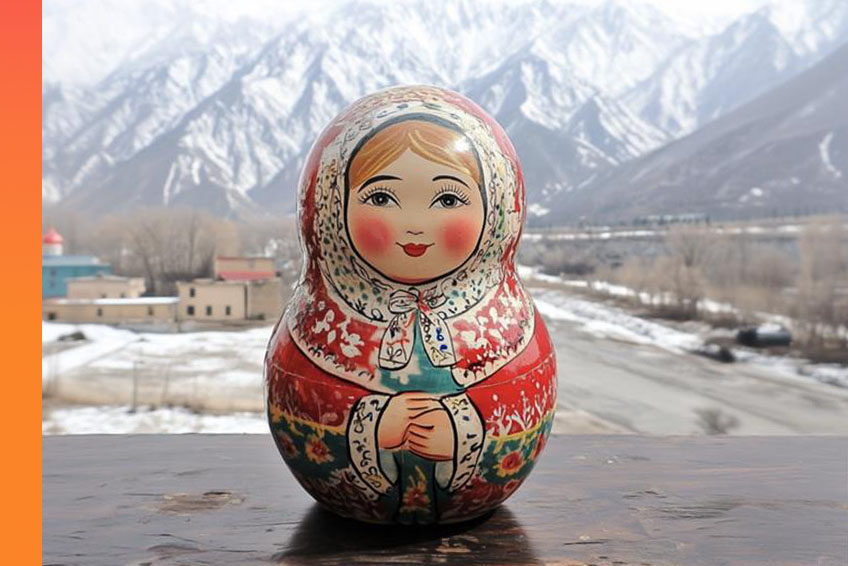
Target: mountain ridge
pixel 785 152
pixel 221 116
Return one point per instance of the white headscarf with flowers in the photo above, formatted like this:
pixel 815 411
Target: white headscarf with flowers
pixel 447 310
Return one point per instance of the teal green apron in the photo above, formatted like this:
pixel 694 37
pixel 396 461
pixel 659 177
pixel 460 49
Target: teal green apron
pixel 418 494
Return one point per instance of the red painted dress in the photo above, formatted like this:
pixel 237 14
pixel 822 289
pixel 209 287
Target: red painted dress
pixel 310 412
pixel 353 337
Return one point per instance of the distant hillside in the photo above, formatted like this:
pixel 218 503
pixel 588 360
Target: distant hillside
pixel 219 115
pixel 786 152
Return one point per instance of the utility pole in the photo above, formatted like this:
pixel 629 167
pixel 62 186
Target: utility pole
pixel 134 405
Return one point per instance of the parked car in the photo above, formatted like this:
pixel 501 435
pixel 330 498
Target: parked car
pixel 764 336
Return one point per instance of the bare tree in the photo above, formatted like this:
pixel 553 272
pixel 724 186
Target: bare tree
pixel 769 272
pixel 821 297
pixel 637 273
pixel 166 245
pixel 690 244
pixel 680 273
pixel 111 242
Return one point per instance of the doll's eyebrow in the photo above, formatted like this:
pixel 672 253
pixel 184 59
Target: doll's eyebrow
pixel 377 178
pixel 457 179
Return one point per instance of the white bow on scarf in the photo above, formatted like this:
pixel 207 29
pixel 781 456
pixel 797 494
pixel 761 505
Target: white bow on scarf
pixel 396 345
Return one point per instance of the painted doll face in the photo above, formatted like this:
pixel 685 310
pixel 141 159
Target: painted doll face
pixel 415 219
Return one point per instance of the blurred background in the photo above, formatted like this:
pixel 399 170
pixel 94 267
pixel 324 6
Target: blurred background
pixel 687 192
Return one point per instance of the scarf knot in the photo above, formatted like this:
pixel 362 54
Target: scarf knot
pixel 409 306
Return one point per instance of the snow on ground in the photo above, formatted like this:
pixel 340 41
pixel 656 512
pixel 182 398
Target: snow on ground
pixel 227 357
pixel 119 420
pixel 604 321
pixel 607 321
pixel 832 374
pixel 219 368
pixel 615 290
pixel 610 233
pixel 102 340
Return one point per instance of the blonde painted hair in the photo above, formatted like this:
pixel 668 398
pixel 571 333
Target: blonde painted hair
pixel 429 140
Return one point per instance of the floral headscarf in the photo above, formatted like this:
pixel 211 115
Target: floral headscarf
pixel 350 319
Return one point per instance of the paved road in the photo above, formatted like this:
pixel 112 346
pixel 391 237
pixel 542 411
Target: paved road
pixel 644 389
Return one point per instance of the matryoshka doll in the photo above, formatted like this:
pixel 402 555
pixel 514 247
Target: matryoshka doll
pixel 410 379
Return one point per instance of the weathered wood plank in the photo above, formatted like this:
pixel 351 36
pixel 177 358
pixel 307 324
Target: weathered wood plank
pixel 603 500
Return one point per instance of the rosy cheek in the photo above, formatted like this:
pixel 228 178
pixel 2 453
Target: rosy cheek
pixel 459 236
pixel 372 235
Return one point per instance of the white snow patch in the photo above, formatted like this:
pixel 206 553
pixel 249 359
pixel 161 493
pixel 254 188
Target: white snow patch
pixel 537 209
pixel 118 301
pixel 195 171
pixel 102 340
pixel 120 420
pixel 605 321
pixel 213 358
pixel 528 272
pixel 824 152
pixel 166 189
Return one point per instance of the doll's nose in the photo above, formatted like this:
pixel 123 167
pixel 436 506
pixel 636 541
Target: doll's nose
pixel 415 233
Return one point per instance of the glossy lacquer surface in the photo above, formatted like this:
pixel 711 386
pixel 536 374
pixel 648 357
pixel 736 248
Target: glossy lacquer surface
pixel 411 379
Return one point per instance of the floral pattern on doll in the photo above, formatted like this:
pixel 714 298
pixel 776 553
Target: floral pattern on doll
pixel 504 464
pixel 450 299
pixel 433 342
pixel 355 483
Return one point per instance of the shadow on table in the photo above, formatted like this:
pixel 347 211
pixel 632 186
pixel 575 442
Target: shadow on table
pixel 325 538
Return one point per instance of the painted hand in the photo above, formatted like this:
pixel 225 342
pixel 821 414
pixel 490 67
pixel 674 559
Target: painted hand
pixel 400 412
pixel 430 435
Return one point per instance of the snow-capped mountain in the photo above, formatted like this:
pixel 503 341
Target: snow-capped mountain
pixel 786 152
pixel 707 78
pixel 218 113
pixel 712 75
pixel 87 131
pixel 564 128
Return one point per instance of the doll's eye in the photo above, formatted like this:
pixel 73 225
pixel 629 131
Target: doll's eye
pixel 449 197
pixel 380 197
pixel 447 201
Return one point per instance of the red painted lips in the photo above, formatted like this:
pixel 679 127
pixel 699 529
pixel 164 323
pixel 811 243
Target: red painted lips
pixel 415 250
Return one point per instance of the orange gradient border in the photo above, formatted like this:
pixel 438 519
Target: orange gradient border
pixel 20 156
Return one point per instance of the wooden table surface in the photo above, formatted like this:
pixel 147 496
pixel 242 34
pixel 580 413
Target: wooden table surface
pixel 602 500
